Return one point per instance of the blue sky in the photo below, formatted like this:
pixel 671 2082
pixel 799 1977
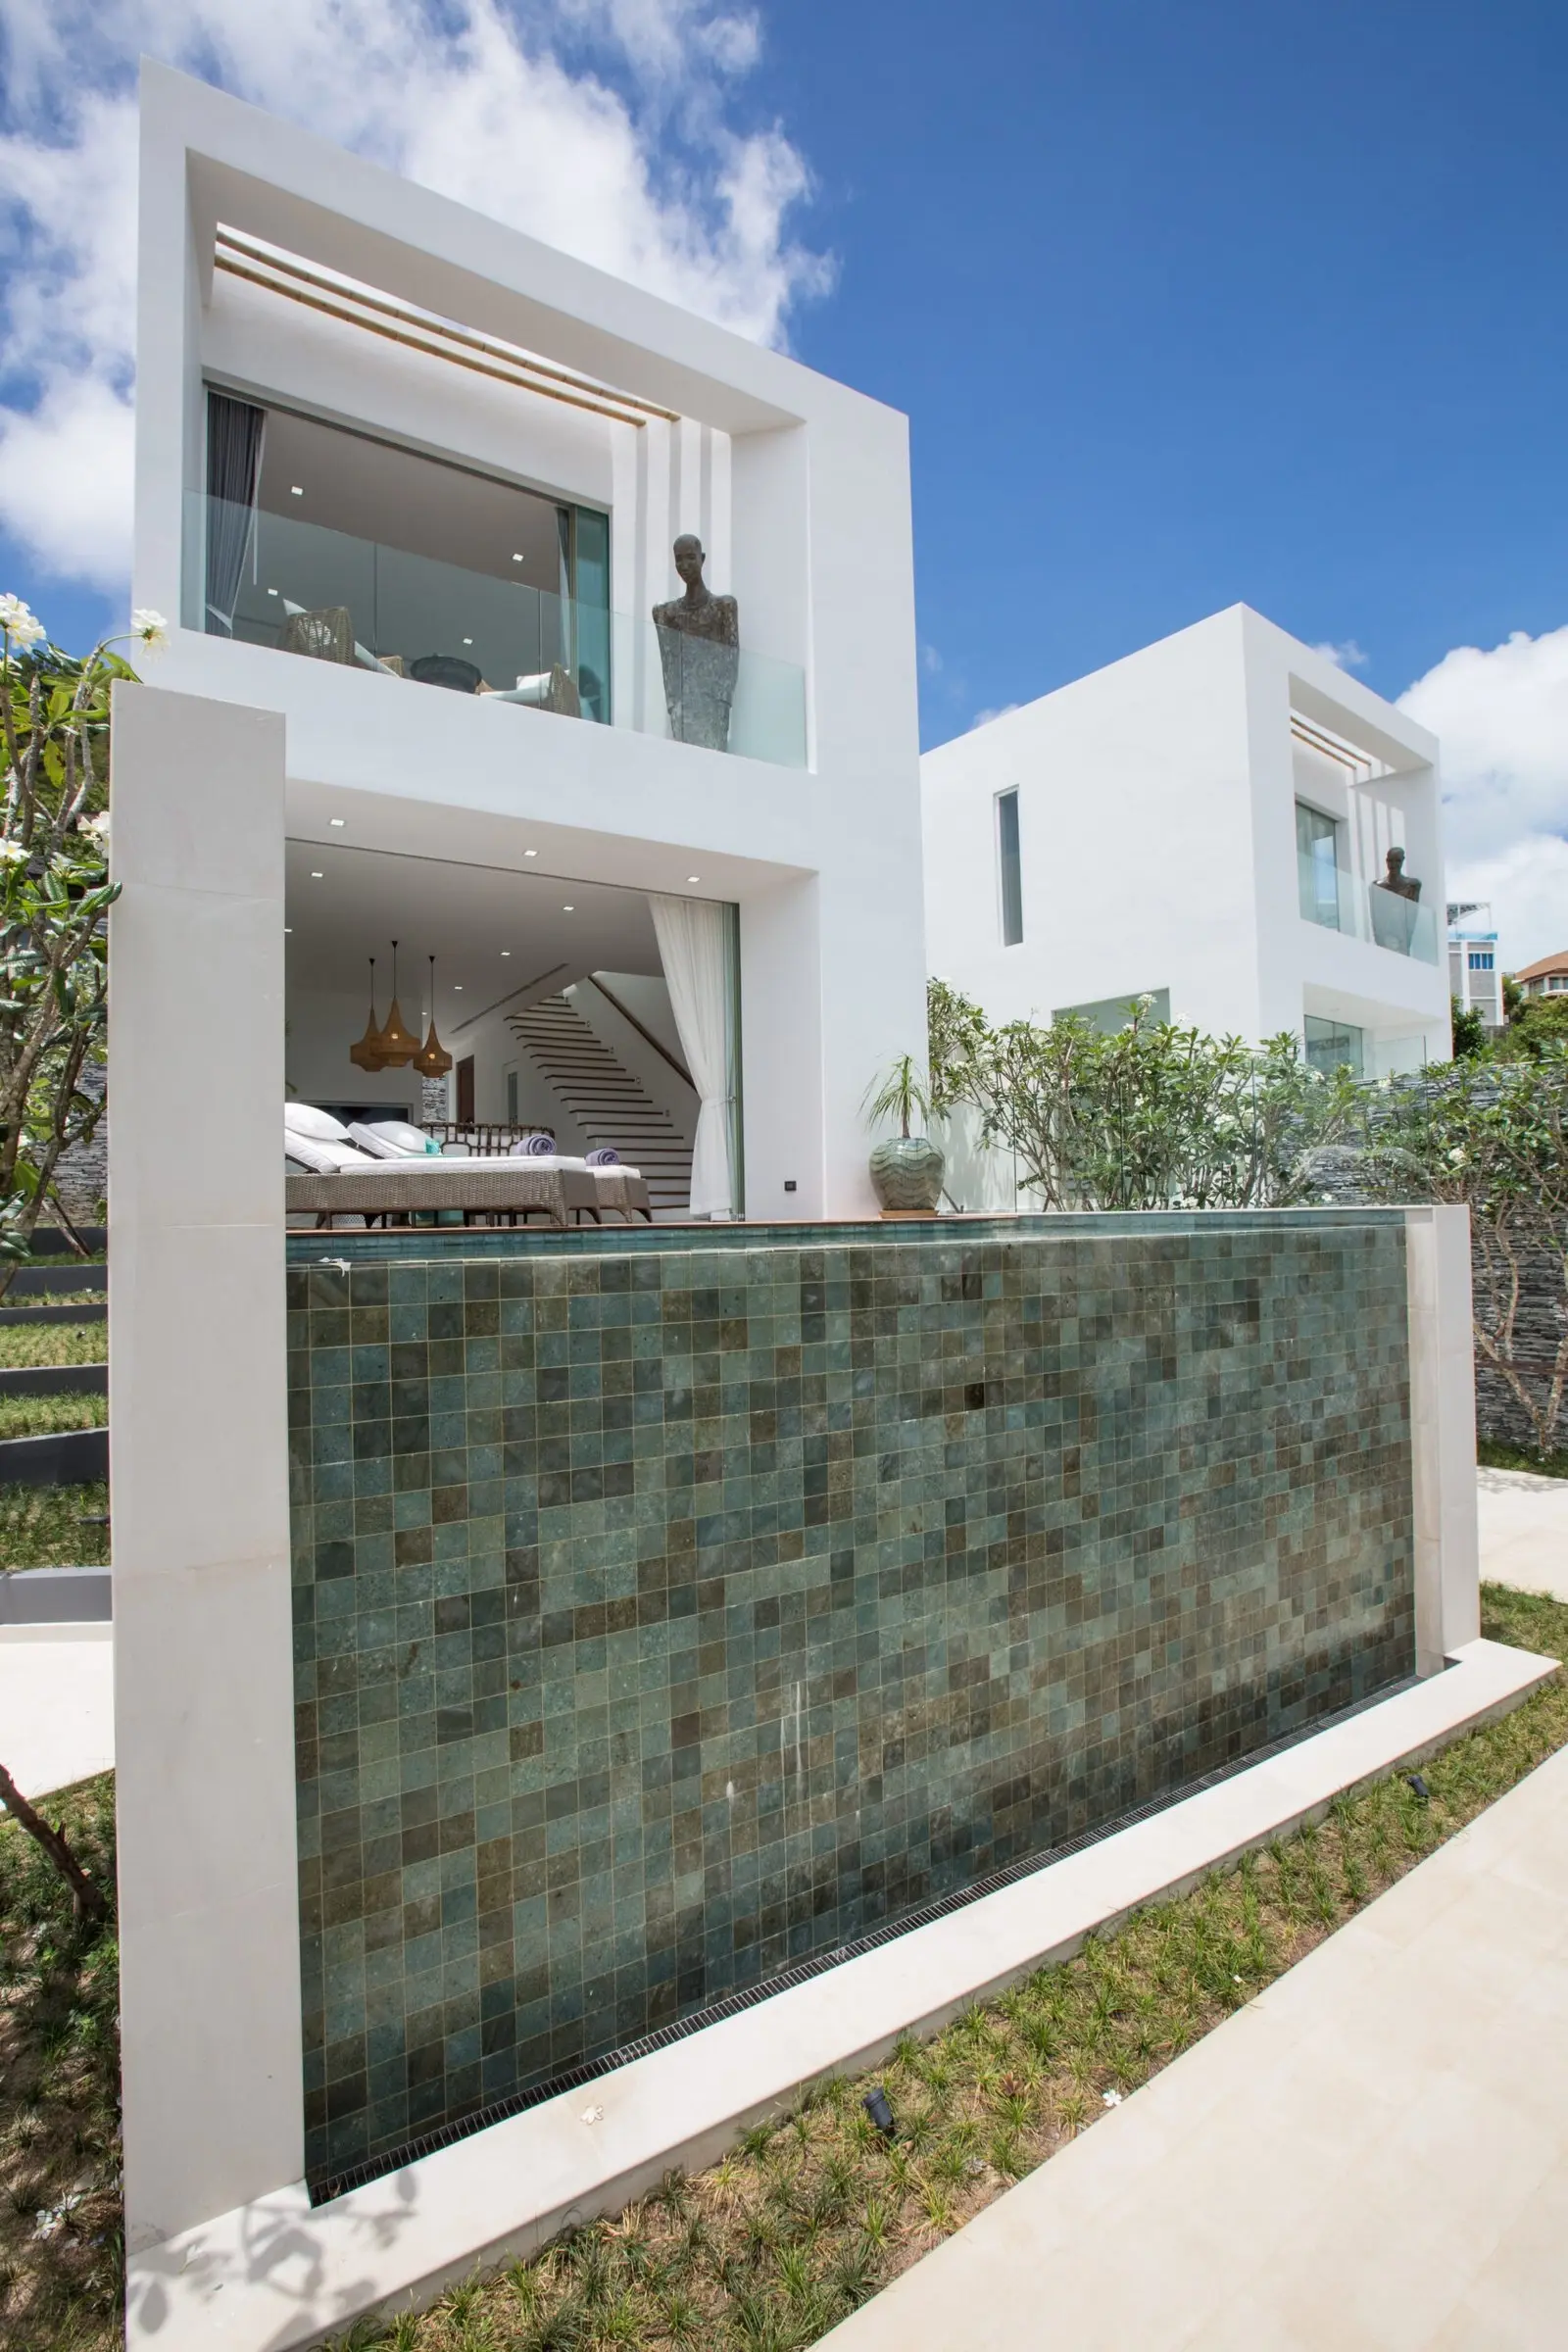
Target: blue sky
pixel 1186 306
pixel 1191 306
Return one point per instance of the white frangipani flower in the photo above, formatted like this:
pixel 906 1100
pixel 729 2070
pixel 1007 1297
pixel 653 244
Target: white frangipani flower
pixel 148 627
pixel 21 626
pixel 1111 2098
pixel 12 852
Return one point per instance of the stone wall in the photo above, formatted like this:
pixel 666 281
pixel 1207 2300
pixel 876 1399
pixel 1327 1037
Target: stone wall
pixel 668 1609
pixel 1539 1329
pixel 81 1175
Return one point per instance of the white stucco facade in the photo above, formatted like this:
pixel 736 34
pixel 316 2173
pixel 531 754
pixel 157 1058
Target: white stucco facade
pixel 1157 839
pixel 798 487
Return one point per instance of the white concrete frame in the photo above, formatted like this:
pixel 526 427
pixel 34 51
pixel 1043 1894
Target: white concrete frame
pixel 204 1684
pixel 799 485
pixel 1156 814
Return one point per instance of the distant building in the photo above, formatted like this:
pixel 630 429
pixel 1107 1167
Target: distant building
pixel 1475 969
pixel 1546 978
pixel 1208 823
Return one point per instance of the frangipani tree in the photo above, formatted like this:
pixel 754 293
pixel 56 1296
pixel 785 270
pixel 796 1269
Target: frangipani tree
pixel 55 892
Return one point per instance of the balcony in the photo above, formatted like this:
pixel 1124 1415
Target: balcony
pixel 1339 900
pixel 327 596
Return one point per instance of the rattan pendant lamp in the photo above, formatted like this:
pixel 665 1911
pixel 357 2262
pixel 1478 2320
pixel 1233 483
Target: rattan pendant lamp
pixel 397 1046
pixel 432 1060
pixel 367 1055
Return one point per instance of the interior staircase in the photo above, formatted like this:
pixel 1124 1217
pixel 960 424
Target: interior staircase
pixel 605 1101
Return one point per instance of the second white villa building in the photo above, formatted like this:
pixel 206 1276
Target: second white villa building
pixel 1209 823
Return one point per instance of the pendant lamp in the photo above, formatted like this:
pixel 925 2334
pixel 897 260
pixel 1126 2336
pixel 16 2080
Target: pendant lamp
pixel 397 1046
pixel 432 1060
pixel 367 1055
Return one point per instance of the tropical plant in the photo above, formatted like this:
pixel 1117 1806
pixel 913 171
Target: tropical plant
pixel 54 893
pixel 1153 1115
pixel 905 1094
pixel 1492 1134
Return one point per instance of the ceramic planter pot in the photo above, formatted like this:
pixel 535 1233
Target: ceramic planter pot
pixel 907 1172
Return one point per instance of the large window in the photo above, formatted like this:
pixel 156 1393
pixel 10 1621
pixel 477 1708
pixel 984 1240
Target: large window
pixel 1318 865
pixel 333 543
pixel 1010 868
pixel 1335 1044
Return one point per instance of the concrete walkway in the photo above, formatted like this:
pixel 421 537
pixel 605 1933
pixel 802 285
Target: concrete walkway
pixel 1523 1534
pixel 57 1704
pixel 1371 2157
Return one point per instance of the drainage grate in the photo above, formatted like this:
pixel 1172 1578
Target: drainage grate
pixel 800 1972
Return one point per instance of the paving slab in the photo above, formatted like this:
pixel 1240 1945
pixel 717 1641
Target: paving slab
pixel 1523 1522
pixel 57 1704
pixel 1370 2157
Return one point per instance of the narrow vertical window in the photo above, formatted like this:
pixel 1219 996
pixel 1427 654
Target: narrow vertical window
pixel 1011 872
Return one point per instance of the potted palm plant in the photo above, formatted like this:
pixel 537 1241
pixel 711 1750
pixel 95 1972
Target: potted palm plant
pixel 906 1169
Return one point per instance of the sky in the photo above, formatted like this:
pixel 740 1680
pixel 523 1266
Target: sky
pixel 1187 305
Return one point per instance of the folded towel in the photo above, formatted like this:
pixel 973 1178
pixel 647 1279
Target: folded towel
pixel 534 1147
pixel 604 1157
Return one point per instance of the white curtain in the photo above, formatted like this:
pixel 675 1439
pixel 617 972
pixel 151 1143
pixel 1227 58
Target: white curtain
pixel 693 939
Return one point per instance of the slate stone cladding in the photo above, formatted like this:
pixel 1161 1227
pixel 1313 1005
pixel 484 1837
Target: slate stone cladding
pixel 670 1608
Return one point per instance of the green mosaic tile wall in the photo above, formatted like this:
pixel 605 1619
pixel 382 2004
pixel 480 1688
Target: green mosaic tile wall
pixel 667 1612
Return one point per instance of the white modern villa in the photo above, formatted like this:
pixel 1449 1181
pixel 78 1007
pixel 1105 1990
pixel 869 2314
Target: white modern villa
pixel 413 482
pixel 1209 823
pixel 557 1668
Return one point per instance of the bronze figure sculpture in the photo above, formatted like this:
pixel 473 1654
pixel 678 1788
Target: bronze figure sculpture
pixel 698 649
pixel 1396 879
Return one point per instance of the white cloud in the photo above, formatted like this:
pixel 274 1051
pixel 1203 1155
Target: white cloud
pixel 1347 655
pixel 1502 716
pixel 983 718
pixel 604 126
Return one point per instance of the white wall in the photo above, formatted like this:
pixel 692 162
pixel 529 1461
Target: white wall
pixel 1135 831
pixel 204 1691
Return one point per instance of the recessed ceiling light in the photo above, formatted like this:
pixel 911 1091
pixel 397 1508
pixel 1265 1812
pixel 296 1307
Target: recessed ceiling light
pixel 316 874
pixel 467 641
pixel 296 490
pixel 516 559
pixel 694 877
pixel 288 930
pixel 271 592
pixel 505 952
pixel 341 821
pixel 568 911
pixel 457 988
pixel 530 853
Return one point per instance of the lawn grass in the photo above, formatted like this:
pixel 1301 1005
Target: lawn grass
pixel 52 1526
pixel 814 2212
pixel 60 2263
pixel 26 1346
pixel 44 1416
pixel 1493 1456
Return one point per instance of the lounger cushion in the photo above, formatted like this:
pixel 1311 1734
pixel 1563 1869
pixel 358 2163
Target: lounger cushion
pixel 388 1139
pixel 302 1118
pixel 324 1158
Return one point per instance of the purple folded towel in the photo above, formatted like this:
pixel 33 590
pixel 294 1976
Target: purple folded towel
pixel 604 1157
pixel 533 1147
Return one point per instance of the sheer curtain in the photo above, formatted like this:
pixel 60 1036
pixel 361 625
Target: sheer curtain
pixel 695 937
pixel 234 431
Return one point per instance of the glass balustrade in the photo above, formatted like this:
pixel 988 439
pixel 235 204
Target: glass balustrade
pixel 1365 910
pixel 278 580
